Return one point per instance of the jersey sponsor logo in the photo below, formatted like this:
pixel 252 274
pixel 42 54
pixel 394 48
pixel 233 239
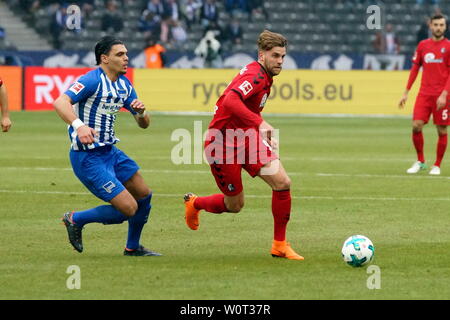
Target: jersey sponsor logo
pixel 246 87
pixel 109 186
pixel 77 87
pixel 263 101
pixel 431 58
pixel 109 108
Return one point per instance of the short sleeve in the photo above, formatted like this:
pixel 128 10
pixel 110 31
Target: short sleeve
pixel 132 96
pixel 249 85
pixel 83 88
pixel 417 58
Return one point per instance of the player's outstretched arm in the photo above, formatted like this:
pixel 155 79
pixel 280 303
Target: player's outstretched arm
pixel 412 78
pixel 142 117
pixel 6 121
pixel 403 100
pixel 442 100
pixel 63 107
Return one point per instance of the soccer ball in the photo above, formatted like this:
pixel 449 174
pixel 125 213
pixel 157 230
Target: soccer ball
pixel 358 251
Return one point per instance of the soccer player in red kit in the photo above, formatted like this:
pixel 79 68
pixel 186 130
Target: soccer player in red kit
pixel 433 55
pixel 237 116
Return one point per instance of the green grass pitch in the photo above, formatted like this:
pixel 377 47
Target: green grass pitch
pixel 348 177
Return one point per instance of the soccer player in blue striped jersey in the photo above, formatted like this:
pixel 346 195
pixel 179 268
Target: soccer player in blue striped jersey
pixel 90 107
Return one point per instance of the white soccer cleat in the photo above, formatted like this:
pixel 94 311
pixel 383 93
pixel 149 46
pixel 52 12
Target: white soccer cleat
pixel 435 171
pixel 416 167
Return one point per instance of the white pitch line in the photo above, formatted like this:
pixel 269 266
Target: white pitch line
pixel 364 175
pixel 357 159
pixel 174 195
pixel 317 174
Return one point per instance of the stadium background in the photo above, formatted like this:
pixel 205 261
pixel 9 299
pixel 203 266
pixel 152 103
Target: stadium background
pixel 323 35
pixel 348 173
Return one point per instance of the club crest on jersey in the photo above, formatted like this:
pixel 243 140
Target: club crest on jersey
pixel 431 58
pixel 77 87
pixel 443 50
pixel 246 87
pixel 122 93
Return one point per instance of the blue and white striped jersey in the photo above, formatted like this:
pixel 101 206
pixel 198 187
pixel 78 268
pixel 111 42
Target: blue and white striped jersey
pixel 97 100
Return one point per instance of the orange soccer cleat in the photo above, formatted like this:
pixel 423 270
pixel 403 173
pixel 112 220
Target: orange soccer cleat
pixel 282 249
pixel 191 213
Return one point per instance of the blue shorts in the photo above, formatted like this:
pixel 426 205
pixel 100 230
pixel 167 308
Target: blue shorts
pixel 103 170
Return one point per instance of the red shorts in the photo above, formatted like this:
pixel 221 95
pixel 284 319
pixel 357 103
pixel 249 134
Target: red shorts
pixel 426 105
pixel 226 165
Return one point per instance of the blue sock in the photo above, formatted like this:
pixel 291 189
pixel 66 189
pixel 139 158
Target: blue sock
pixel 106 214
pixel 137 222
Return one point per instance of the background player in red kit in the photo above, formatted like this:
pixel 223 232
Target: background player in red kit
pixel 434 56
pixel 239 110
pixel 5 121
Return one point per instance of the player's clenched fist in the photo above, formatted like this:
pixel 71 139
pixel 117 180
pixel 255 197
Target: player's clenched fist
pixel 138 106
pixel 86 134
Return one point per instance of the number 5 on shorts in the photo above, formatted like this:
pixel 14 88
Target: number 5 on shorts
pixel 445 114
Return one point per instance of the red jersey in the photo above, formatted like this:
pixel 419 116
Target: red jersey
pixel 434 57
pixel 252 84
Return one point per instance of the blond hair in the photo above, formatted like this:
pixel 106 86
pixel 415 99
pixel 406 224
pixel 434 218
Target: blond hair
pixel 268 40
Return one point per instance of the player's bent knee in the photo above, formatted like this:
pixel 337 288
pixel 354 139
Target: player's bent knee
pixel 442 130
pixel 284 184
pixel 145 193
pixel 129 209
pixel 417 127
pixel 235 207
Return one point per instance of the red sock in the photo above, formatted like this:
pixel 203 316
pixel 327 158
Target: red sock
pixel 214 203
pixel 441 147
pixel 418 144
pixel 281 211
